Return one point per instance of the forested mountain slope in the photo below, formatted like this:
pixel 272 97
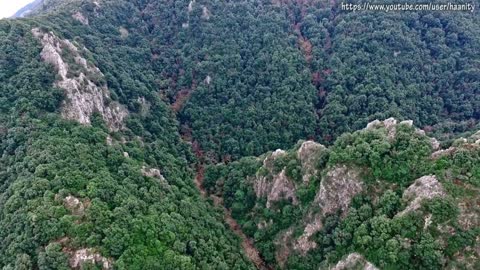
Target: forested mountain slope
pixel 250 76
pixel 107 106
pixel 384 197
pixel 116 191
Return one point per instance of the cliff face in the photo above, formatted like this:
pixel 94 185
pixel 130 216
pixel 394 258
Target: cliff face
pixel 357 201
pixel 354 261
pixel 265 74
pixel 424 188
pixel 81 81
pixel 274 184
pixel 336 191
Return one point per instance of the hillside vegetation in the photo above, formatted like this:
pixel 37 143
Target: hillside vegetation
pixel 385 195
pixel 110 109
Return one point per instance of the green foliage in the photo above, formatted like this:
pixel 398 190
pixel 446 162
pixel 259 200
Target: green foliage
pixel 396 64
pixel 53 258
pixel 374 225
pixel 442 209
pixel 254 84
pixel 399 159
pixel 389 203
pixel 129 218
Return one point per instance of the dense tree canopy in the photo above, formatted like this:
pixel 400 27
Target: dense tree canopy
pixel 233 79
pixel 375 224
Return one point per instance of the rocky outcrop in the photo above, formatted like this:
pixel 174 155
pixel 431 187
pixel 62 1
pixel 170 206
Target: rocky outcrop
pixel 208 80
pixel 337 189
pixel 152 172
pixel 283 247
pixel 274 186
pixel 83 96
pixel 80 17
pixel 280 188
pixel 391 124
pixel 443 152
pixel 462 143
pixel 470 142
pixel 123 32
pixel 308 155
pixel 469 216
pixel 277 186
pixel 109 140
pixel 354 261
pixel 74 205
pixel 206 14
pixel 426 187
pixel 88 256
pixel 190 6
pixel 476 137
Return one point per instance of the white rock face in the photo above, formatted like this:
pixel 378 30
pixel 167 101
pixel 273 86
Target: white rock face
pixel 426 187
pixel 83 96
pixel 75 205
pixel 337 189
pixel 308 155
pixel 83 256
pixel 282 188
pixel 283 247
pixel 468 217
pixel 274 187
pixel 354 261
pixel 151 172
pixel 109 140
pixel 407 122
pixel 476 137
pixel 208 79
pixel 303 243
pixel 123 32
pixel 441 153
pixel 435 144
pixel 190 6
pixel 374 124
pixel 80 17
pixel 206 13
pixel 391 125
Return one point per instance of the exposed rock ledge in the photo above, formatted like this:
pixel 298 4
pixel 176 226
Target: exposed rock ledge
pixel 308 155
pixel 80 17
pixel 426 187
pixel 472 141
pixel 277 186
pixel 80 257
pixel 75 205
pixel 274 186
pixel 354 261
pixel 151 172
pixel 83 96
pixel 337 189
pixel 391 124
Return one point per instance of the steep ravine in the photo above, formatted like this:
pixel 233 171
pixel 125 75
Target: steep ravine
pixel 247 244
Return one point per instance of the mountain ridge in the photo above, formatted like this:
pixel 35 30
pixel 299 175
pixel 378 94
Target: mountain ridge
pixel 110 111
pixel 28 9
pixel 288 217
